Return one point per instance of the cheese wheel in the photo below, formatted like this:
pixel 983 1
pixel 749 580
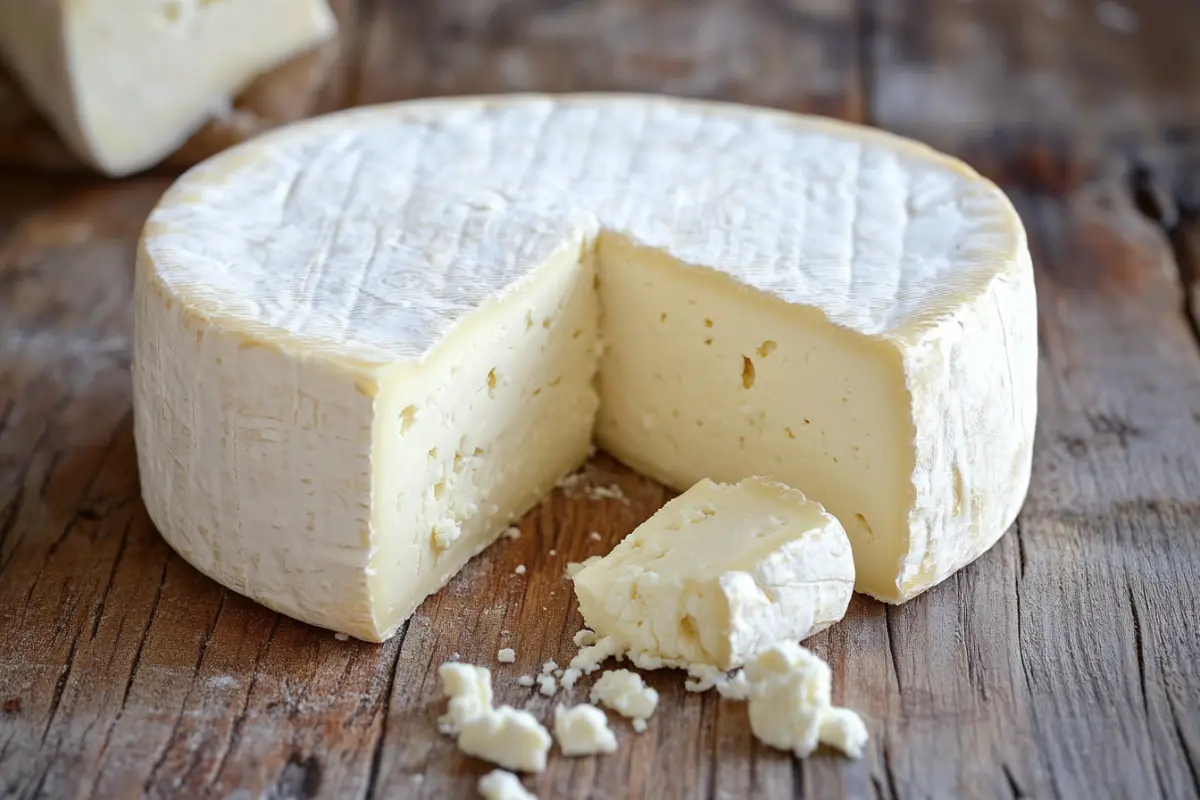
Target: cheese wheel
pixel 364 344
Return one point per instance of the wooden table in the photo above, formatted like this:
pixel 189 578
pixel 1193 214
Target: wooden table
pixel 1064 663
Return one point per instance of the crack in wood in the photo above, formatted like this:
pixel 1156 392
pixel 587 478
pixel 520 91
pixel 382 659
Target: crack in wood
pixel 1139 650
pixel 1013 785
pixel 888 772
pixel 377 747
pixel 889 623
pixel 59 686
pixel 137 658
pixel 1188 756
pixel 239 720
pixel 98 614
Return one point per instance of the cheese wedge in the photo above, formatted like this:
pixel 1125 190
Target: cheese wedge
pixel 719 574
pixel 368 342
pixel 126 82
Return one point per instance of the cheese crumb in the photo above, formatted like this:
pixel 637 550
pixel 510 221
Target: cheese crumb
pixel 639 725
pixel 791 706
pixel 506 736
pixel 512 532
pixel 591 657
pixel 547 685
pixel 845 730
pixel 583 730
pixel 520 570
pixel 736 688
pixel 703 677
pixel 506 656
pixel 573 567
pixel 446 533
pixel 584 637
pixel 342 637
pixel 553 552
pixel 569 678
pixel 595 536
pixel 626 693
pixel 469 690
pixel 549 667
pixel 501 785
pixel 525 680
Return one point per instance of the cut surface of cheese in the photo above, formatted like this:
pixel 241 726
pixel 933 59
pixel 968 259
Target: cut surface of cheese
pixel 124 83
pixel 719 573
pixel 366 343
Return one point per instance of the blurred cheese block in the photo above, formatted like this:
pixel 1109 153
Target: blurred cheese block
pixel 125 88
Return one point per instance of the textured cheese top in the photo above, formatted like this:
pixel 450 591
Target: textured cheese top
pixel 368 234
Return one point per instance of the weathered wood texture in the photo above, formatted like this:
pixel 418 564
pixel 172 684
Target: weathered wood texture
pixel 1064 663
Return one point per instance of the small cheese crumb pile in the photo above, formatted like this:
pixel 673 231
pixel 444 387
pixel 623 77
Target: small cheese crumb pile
pixel 512 533
pixel 525 680
pixel 342 637
pixel 547 685
pixel 506 736
pixel 520 570
pixel 506 656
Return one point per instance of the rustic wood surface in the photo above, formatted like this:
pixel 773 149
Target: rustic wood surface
pixel 1064 663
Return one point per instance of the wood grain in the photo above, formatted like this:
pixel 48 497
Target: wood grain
pixel 1064 663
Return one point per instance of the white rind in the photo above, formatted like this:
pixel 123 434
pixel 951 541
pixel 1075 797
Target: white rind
pixel 300 288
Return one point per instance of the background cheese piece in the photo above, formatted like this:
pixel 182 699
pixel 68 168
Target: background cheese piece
pixel 371 327
pixel 791 706
pixel 719 573
pixel 501 785
pixel 626 693
pixel 583 730
pixel 126 82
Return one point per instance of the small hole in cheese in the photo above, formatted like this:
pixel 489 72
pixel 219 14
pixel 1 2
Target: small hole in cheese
pixel 546 323
pixel 407 417
pixel 866 526
pixel 707 322
pixel 439 489
pixel 708 340
pixel 491 380
pixel 789 433
pixel 432 453
pixel 528 320
pixel 766 348
pixel 747 373
pixel 663 318
pixel 172 10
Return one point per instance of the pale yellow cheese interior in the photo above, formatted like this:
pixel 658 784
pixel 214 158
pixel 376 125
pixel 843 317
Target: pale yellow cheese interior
pixel 699 378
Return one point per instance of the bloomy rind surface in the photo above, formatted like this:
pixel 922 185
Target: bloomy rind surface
pixel 327 252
